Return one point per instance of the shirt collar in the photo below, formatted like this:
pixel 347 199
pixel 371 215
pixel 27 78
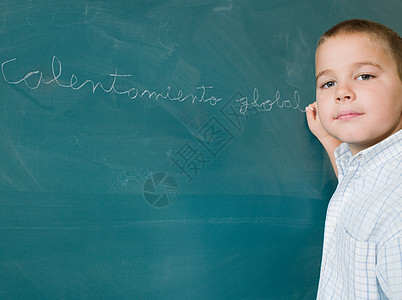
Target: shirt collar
pixel 371 157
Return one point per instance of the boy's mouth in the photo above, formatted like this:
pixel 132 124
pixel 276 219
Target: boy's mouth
pixel 347 115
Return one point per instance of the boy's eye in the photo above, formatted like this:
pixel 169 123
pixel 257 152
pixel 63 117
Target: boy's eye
pixel 328 84
pixel 365 77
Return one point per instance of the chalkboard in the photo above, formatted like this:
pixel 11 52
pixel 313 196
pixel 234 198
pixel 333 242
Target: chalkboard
pixel 159 149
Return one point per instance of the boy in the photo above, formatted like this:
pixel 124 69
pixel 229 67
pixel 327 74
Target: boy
pixel 358 119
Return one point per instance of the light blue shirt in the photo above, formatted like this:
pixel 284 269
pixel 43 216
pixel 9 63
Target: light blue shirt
pixel 362 253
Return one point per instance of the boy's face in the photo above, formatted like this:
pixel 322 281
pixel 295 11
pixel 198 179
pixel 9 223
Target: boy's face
pixel 359 92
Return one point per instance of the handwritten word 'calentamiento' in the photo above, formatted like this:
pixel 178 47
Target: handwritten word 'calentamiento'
pixel 267 105
pixel 133 93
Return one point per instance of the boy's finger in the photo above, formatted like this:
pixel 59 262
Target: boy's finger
pixel 311 112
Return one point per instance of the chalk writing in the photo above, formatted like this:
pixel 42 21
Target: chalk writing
pixel 56 66
pixel 231 111
pixel 34 79
pixel 267 105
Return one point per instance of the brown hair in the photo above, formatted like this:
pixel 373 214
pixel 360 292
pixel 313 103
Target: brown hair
pixel 390 41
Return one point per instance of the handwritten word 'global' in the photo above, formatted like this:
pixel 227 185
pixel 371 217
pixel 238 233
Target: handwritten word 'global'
pixel 267 105
pixel 133 93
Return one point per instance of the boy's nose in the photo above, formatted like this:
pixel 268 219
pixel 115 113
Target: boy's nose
pixel 343 98
pixel 344 93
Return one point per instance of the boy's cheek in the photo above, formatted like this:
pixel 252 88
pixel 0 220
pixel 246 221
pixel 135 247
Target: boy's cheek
pixel 322 107
pixel 325 116
pixel 322 97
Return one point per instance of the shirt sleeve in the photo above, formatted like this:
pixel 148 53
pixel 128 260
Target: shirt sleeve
pixel 389 268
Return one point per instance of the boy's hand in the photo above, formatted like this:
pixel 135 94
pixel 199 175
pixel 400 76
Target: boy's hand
pixel 328 141
pixel 314 123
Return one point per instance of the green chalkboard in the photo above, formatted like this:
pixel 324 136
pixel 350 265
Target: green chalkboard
pixel 159 149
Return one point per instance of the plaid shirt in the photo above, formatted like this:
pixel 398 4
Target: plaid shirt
pixel 362 254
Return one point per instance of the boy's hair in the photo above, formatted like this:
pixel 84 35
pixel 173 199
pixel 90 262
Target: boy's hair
pixel 388 39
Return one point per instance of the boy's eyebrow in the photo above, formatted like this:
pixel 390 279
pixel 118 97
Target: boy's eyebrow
pixel 357 64
pixel 323 72
pixel 369 63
